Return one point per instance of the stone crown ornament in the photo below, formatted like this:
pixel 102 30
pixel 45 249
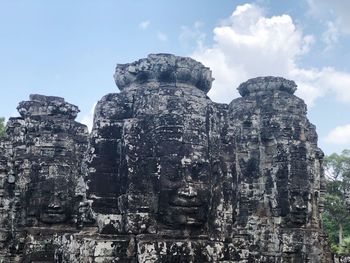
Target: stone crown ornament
pixel 163 68
pixel 40 105
pixel 266 84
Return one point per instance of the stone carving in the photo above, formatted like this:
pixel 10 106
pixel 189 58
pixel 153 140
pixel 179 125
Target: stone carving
pixel 166 175
pixel 45 153
pixel 279 170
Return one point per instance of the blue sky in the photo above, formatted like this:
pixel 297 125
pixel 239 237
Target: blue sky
pixel 70 49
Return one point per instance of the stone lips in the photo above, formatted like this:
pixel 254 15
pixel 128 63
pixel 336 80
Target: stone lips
pixel 266 84
pixel 163 68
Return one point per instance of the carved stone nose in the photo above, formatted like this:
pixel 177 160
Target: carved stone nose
pixel 54 204
pixel 188 191
pixel 300 204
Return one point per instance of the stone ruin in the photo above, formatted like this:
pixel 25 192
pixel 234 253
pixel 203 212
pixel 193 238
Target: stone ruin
pixel 166 175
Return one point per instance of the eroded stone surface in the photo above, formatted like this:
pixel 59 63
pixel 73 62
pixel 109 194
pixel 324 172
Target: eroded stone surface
pixel 279 173
pixel 167 176
pixel 44 153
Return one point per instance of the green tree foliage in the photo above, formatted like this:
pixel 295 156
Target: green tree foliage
pixel 2 127
pixel 336 216
pixel 344 248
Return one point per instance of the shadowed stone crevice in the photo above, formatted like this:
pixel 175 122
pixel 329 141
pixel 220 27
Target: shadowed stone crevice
pixel 166 175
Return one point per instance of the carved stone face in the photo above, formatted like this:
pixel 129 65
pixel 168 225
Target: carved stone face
pixel 299 200
pixel 185 194
pixel 56 204
pixel 50 200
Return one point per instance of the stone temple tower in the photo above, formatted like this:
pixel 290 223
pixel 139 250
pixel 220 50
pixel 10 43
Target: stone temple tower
pixel 166 175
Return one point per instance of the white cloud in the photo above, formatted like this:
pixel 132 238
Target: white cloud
pixel 144 24
pixel 249 44
pixel 340 135
pixel 336 82
pixel 331 35
pixel 192 34
pixel 336 9
pixel 88 119
pixel 162 37
pixel 334 15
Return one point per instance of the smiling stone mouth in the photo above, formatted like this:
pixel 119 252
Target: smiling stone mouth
pixel 53 216
pixel 188 210
pixel 186 202
pixel 53 211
